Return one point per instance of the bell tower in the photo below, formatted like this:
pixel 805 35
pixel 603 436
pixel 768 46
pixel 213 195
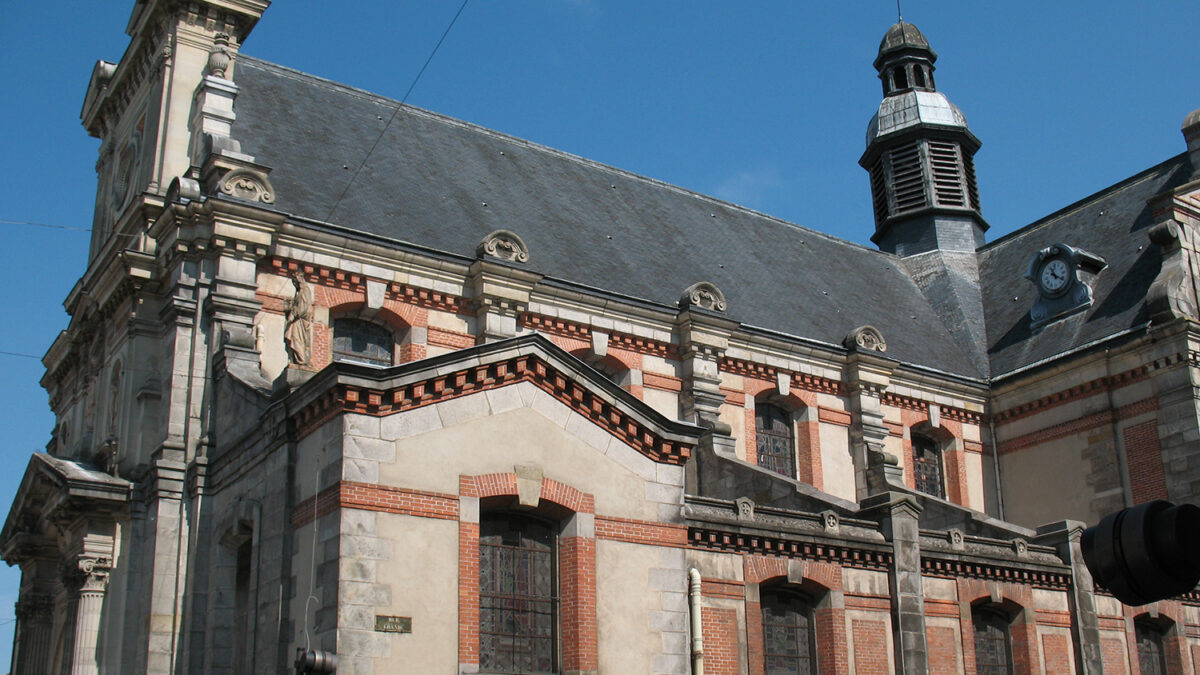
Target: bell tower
pixel 919 155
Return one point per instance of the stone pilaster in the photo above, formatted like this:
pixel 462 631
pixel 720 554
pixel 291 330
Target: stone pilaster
pixel 1065 536
pixel 867 377
pixel 1177 387
pixel 897 514
pixel 703 339
pixel 501 295
pixel 35 609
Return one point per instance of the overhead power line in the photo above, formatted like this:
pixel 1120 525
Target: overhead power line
pixel 49 225
pixel 396 111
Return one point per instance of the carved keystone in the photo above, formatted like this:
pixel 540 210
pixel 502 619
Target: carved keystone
pixel 529 485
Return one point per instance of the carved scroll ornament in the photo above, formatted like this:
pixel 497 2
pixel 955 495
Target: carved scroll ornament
pixel 865 338
pixel 249 185
pixel 1172 295
pixel 704 295
pixel 505 245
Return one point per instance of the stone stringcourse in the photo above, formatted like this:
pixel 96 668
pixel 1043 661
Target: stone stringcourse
pixel 347 398
pixel 328 276
pixel 822 385
pixel 633 343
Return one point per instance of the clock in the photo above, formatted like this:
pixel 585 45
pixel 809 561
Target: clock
pixel 1054 276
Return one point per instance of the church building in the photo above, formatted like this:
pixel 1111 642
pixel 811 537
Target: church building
pixel 488 407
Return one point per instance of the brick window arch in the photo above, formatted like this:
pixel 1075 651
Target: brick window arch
pixel 359 341
pixel 788 631
pixel 928 473
pixel 993 641
pixel 775 438
pixel 518 594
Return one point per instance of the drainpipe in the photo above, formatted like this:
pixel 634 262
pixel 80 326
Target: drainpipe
pixel 1118 446
pixel 996 462
pixel 697 635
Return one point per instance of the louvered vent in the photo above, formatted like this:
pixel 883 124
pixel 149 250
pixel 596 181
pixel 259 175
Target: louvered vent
pixel 947 174
pixel 907 182
pixel 972 186
pixel 879 191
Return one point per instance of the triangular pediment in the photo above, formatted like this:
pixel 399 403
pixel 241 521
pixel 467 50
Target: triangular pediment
pixel 352 388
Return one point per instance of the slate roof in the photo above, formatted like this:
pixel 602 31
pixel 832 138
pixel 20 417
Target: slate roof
pixel 441 183
pixel 1111 224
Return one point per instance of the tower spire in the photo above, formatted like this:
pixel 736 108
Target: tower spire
pixel 919 155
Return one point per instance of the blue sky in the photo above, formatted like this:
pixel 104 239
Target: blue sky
pixel 761 103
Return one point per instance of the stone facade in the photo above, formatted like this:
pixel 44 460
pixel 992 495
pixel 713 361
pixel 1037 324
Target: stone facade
pixel 230 481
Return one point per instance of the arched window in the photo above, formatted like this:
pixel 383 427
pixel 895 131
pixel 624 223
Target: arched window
pixel 775 438
pixel 518 595
pixel 1150 651
pixel 993 642
pixel 787 629
pixel 927 466
pixel 358 341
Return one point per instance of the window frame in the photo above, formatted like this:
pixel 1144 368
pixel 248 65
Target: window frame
pixel 1157 634
pixel 771 460
pixel 992 617
pixel 787 598
pixel 933 445
pixel 552 531
pixel 382 331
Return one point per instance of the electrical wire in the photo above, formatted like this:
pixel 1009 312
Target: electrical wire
pixel 396 111
pixel 49 225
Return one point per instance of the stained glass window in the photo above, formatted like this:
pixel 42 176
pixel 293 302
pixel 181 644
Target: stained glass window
pixel 787 628
pixel 992 643
pixel 927 466
pixel 358 341
pixel 1150 649
pixel 776 442
pixel 517 596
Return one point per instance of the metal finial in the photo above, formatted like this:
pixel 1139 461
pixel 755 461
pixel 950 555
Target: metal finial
pixel 899 14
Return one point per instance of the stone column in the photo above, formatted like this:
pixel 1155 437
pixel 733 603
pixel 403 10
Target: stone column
pixel 897 513
pixel 90 578
pixel 1065 535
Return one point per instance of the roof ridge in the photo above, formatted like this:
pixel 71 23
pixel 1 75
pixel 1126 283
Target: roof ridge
pixel 1045 220
pixel 446 119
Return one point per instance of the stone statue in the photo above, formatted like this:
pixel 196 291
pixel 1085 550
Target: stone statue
pixel 298 334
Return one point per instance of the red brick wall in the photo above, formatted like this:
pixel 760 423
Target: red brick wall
pixel 1144 456
pixel 720 640
pixel 1112 655
pixel 754 637
pixel 468 592
pixel 942 643
pixel 577 570
pixel 1057 650
pixel 832 658
pixel 870 647
pixel 1024 648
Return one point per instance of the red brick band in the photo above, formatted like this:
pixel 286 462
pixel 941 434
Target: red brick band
pixel 641 532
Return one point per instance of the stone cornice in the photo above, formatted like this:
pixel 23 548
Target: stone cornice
pixel 347 388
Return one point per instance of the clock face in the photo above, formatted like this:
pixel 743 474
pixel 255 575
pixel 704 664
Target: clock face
pixel 1054 276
